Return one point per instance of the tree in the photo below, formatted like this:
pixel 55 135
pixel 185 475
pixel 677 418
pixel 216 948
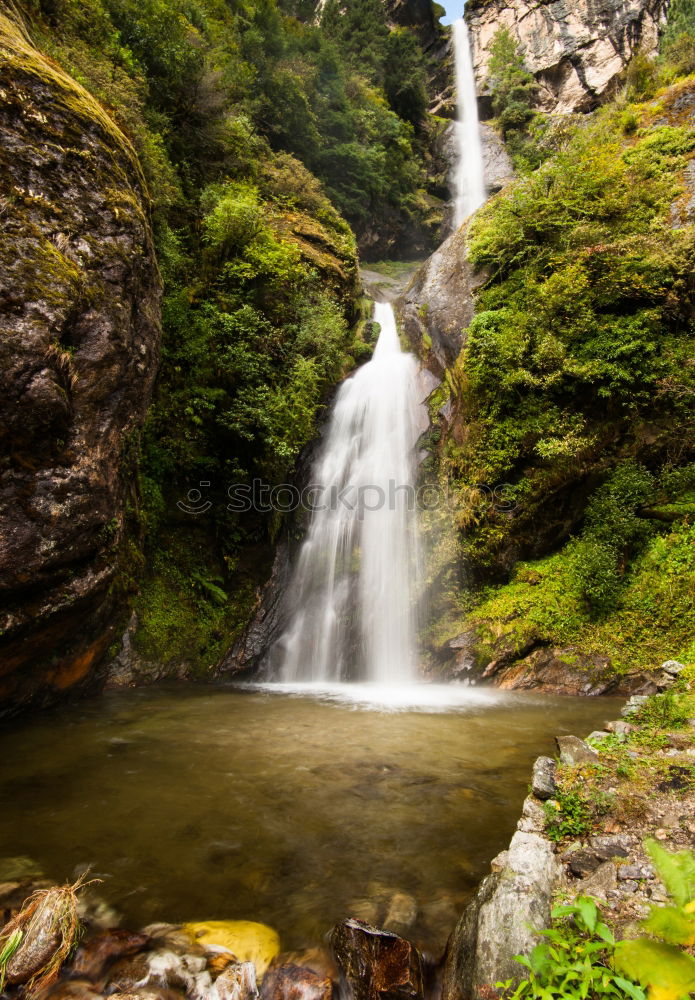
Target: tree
pixel 404 76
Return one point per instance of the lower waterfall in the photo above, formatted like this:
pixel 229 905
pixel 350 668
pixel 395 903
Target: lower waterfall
pixel 352 598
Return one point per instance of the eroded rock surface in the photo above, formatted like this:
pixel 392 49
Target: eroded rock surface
pixel 577 51
pixel 512 905
pixel 79 307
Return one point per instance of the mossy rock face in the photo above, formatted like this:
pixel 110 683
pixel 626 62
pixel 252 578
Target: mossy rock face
pixel 79 349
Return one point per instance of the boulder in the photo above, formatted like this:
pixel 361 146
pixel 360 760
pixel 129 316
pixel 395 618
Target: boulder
pixel 80 304
pixel 575 751
pixel 543 783
pixel 511 906
pixel 377 964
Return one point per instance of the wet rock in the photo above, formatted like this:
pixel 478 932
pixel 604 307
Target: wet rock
pixel 248 940
pixel 543 783
pixel 293 982
pixel 503 920
pixel 401 913
pixel 252 653
pixel 237 982
pixel 437 307
pixel 127 973
pixel 319 960
pixel 149 993
pixel 49 929
pixel 377 964
pixel 70 989
pixel 185 973
pixel 98 952
pixel 78 359
pixel 575 751
pixel 558 670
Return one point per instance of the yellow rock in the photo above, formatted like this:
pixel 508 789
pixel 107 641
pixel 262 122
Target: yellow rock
pixel 248 941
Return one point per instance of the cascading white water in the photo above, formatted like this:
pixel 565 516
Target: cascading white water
pixel 469 178
pixel 353 592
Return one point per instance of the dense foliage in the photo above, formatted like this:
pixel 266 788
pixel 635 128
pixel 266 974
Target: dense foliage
pixel 576 383
pixel 260 132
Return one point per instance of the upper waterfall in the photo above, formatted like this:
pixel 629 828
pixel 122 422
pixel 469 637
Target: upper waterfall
pixel 469 180
pixel 353 592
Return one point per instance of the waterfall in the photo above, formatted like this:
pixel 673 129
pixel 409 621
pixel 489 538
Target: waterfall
pixel 469 180
pixel 353 592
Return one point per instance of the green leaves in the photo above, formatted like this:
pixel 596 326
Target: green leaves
pixel 573 960
pixel 661 965
pixel 676 871
pixel 669 972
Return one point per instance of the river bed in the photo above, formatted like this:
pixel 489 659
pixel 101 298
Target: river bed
pixel 295 807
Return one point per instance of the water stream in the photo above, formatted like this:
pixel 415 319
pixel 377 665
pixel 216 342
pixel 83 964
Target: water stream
pixel 209 803
pixel 469 179
pixel 351 603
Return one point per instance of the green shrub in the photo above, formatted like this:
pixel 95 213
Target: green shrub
pixel 573 960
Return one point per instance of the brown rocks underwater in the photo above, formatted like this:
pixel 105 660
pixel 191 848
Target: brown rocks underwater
pixel 49 952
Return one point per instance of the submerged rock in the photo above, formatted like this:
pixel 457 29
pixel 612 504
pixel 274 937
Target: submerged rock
pixel 98 952
pixel 295 982
pixel 377 964
pixel 248 941
pixel 237 982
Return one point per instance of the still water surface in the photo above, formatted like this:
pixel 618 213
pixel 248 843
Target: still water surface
pixel 294 808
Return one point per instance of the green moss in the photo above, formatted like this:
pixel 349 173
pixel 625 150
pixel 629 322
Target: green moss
pixel 185 616
pixel 653 618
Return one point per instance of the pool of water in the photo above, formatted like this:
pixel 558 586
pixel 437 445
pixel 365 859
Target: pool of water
pixel 293 806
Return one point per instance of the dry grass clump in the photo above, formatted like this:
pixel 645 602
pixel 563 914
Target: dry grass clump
pixel 35 944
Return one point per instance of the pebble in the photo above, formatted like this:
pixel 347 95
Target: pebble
pixel 627 872
pixel 661 834
pixel 630 886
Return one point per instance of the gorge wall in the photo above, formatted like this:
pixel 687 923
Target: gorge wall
pixel 577 51
pixel 79 298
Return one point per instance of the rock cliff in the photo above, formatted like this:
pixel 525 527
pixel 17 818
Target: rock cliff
pixel 576 51
pixel 79 299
